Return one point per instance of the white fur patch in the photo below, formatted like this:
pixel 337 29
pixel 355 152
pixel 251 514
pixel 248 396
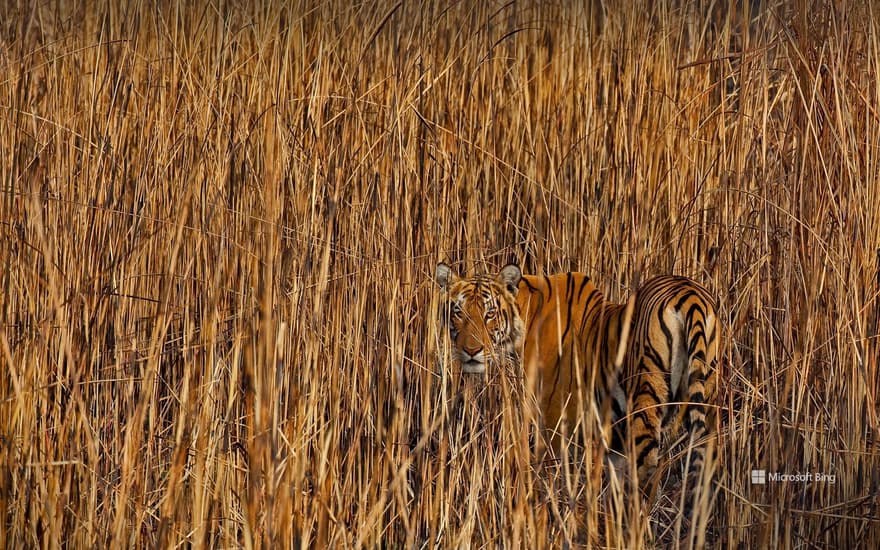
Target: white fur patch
pixel 678 353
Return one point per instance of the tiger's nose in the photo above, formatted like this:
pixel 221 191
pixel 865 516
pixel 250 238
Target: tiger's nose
pixel 472 351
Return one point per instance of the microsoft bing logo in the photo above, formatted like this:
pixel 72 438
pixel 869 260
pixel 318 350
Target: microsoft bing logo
pixel 759 477
pixel 762 477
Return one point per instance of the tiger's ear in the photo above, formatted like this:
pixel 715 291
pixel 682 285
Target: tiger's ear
pixel 445 276
pixel 510 276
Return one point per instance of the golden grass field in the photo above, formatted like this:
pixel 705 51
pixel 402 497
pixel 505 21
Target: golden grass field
pixel 220 224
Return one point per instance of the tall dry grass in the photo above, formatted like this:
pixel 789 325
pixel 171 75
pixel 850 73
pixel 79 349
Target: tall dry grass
pixel 220 224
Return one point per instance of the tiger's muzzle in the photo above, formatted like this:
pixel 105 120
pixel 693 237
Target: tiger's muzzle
pixel 473 361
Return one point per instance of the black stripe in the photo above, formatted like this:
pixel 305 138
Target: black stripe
pixel 616 408
pixel 582 287
pixel 643 414
pixel 695 424
pixel 586 312
pixel 647 389
pixel 569 288
pixel 693 341
pixel 697 397
pixel 685 296
pixel 654 356
pixel 555 380
pixel 529 285
pixel 617 439
pixel 712 338
pixel 696 307
pixel 549 287
pixel 645 452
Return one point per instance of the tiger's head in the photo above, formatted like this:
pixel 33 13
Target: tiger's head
pixel 482 316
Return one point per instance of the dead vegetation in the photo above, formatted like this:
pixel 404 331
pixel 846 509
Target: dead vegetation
pixel 219 224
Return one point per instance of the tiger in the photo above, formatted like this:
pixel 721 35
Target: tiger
pixel 563 328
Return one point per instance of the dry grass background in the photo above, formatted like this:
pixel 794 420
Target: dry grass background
pixel 220 223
